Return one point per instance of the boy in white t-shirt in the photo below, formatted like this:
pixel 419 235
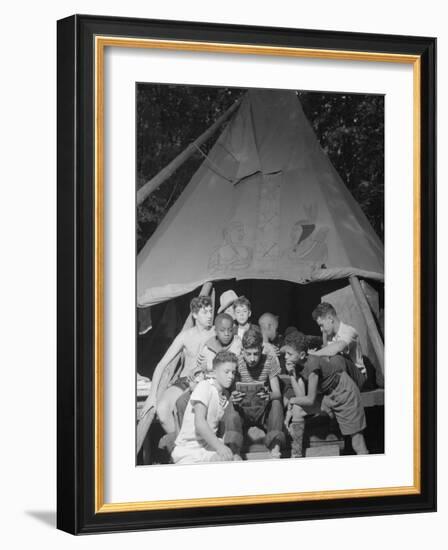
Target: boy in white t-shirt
pixel 340 339
pixel 197 440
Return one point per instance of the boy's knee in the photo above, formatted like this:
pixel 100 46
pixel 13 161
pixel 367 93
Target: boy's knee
pixel 298 413
pixel 164 409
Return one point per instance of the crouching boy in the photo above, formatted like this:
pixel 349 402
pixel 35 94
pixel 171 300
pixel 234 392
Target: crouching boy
pixel 197 440
pixel 261 407
pixel 341 394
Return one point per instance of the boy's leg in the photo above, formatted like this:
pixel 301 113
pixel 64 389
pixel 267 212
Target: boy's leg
pixel 233 429
pixel 296 430
pixel 345 401
pixel 166 406
pixel 359 444
pixel 275 437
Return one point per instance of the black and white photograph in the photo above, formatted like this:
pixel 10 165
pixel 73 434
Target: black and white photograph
pixel 259 274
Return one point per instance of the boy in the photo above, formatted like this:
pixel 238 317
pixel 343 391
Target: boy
pixel 341 394
pixel 339 339
pixel 197 441
pixel 268 323
pixel 263 408
pixel 294 350
pixel 242 312
pixel 224 340
pixel 189 342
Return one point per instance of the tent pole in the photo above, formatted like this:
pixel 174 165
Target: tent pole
pixel 145 423
pixel 151 185
pixel 372 329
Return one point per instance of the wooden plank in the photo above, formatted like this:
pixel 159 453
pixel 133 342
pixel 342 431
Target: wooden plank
pixel 373 398
pixel 327 450
pixel 151 185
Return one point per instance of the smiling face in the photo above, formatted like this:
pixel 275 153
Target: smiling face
pixel 224 331
pixel 225 374
pixel 327 325
pixel 204 317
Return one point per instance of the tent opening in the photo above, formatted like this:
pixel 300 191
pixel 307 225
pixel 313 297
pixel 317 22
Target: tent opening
pixel 292 303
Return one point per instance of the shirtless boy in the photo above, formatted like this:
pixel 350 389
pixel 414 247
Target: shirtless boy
pixel 189 342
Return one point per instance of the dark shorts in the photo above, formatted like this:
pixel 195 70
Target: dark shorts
pixel 345 402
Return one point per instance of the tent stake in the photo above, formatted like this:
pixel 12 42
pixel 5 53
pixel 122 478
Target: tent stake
pixel 151 185
pixel 374 334
pixel 145 423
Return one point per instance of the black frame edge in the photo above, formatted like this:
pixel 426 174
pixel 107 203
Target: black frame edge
pixel 66 274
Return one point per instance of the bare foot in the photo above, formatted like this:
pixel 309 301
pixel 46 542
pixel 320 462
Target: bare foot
pixel 275 452
pixel 237 457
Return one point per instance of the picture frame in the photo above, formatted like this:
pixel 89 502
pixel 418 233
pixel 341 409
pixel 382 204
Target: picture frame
pixel 82 41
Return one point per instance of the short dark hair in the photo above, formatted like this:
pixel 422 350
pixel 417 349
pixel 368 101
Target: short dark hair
pixel 297 341
pixel 224 357
pixel 252 338
pixel 198 302
pixel 221 316
pixel 322 310
pixel 241 301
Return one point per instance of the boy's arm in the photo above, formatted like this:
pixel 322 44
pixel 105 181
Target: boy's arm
pixel 206 433
pixel 310 397
pixel 297 385
pixel 330 349
pixel 275 389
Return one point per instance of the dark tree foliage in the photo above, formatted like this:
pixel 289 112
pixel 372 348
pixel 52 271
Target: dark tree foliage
pixel 350 128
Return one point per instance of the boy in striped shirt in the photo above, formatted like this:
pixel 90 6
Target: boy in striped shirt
pixel 263 408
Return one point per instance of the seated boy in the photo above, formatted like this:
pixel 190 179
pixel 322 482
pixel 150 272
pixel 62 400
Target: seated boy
pixel 189 342
pixel 268 323
pixel 242 312
pixel 341 394
pixel 263 408
pixel 341 340
pixel 294 351
pixel 197 440
pixel 224 340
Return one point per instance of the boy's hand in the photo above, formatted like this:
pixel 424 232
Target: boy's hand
pixel 224 452
pixel 290 367
pixel 312 351
pixel 294 401
pixel 236 396
pixel 264 394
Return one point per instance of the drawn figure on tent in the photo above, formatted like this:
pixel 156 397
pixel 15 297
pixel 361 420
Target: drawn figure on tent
pixel 232 253
pixel 308 239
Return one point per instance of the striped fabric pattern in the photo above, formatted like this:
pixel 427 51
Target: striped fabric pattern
pixel 267 368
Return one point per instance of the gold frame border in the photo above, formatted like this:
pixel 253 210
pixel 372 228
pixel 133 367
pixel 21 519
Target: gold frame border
pixel 101 42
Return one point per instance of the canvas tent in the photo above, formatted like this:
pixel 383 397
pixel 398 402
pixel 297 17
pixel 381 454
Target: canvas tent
pixel 266 203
